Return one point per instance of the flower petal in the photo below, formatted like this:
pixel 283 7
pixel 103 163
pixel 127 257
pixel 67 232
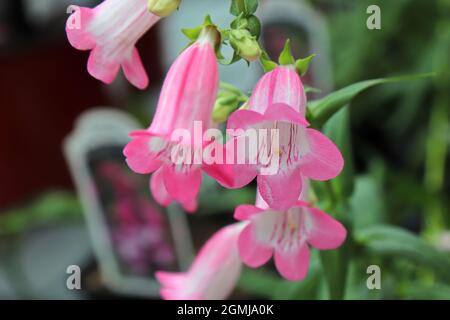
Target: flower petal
pixel 158 188
pixel 246 212
pixel 141 153
pixel 171 280
pixel 293 264
pixel 282 85
pixel 243 169
pixel 323 232
pixel 324 160
pixel 222 173
pixel 76 31
pixel 182 183
pixel 283 112
pixel 134 70
pixel 172 284
pixel 189 91
pixel 281 191
pixel 213 273
pixel 253 252
pixel 101 67
pixel 244 119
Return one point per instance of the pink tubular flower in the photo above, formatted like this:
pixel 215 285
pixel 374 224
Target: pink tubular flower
pixel 286 235
pixel 278 102
pixel 214 272
pixel 187 98
pixel 111 31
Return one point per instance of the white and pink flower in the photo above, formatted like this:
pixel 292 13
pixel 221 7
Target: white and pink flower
pixel 111 30
pixel 187 98
pixel 286 235
pixel 278 102
pixel 214 272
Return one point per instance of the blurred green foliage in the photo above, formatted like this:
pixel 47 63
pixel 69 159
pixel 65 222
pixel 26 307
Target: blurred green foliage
pixel 51 207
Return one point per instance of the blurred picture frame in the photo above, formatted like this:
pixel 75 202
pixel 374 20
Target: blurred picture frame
pixel 131 235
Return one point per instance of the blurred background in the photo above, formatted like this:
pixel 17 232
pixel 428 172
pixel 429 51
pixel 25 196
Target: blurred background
pixel 399 137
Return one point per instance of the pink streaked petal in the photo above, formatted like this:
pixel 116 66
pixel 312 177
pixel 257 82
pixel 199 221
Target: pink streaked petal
pixel 253 253
pixel 77 35
pixel 259 202
pixel 289 89
pixel 170 279
pixel 189 91
pixel 285 113
pixel 240 171
pixel 243 175
pixel 100 66
pixel 293 264
pixel 223 263
pixel 214 272
pixel 134 70
pixel 182 184
pixel 222 173
pixel 244 119
pixel 323 232
pixel 282 190
pixel 139 156
pixel 282 85
pixel 262 93
pixel 324 160
pixel 139 133
pixel 246 212
pixel 158 188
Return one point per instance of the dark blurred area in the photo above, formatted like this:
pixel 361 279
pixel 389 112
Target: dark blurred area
pixel 44 87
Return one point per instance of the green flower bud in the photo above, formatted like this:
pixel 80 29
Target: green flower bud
pixel 229 99
pixel 224 106
pixel 163 8
pixel 245 44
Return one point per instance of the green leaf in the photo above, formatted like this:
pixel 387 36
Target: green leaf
pixel 286 58
pixel 251 6
pixel 254 26
pixel 416 291
pixel 302 65
pixel 399 243
pixel 259 282
pixel 338 130
pixel 247 7
pixel 335 265
pixel 367 203
pixel 323 109
pixel 47 208
pixel 309 89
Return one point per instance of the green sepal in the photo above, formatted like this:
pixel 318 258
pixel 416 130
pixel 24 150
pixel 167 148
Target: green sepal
pixel 302 65
pixel 267 64
pixel 193 33
pixel 286 58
